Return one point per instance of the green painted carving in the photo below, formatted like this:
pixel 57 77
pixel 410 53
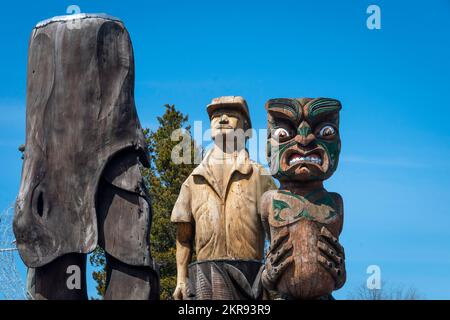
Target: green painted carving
pixel 323 105
pixel 277 206
pixel 291 195
pixel 304 214
pixel 303 208
pixel 304 131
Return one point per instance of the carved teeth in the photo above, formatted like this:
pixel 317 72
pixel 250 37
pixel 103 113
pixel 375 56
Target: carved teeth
pixel 296 158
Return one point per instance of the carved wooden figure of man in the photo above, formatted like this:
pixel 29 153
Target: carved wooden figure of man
pixel 303 220
pixel 81 182
pixel 218 208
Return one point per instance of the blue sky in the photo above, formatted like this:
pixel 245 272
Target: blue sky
pixel 394 175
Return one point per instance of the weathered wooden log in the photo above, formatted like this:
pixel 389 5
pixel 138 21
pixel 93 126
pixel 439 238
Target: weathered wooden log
pixel 80 115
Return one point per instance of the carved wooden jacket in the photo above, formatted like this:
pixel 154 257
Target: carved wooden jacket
pixel 227 223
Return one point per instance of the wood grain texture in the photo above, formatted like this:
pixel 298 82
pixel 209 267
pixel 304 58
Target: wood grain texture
pixel 220 200
pixel 224 280
pixel 80 113
pixel 124 211
pixel 302 219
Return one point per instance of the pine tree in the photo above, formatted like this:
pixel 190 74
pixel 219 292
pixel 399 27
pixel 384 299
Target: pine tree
pixel 98 261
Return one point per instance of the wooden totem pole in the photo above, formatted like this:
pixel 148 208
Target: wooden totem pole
pixel 218 209
pixel 302 219
pixel 81 182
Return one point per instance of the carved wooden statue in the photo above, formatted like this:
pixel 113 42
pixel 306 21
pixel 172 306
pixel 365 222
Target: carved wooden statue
pixel 218 208
pixel 81 182
pixel 303 220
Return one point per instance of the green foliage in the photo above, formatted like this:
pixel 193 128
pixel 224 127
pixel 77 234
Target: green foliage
pixel 168 284
pixel 163 180
pixel 98 260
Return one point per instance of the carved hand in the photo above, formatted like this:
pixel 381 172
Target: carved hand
pixel 278 259
pixel 332 256
pixel 180 292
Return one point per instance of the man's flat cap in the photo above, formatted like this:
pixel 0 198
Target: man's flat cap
pixel 230 102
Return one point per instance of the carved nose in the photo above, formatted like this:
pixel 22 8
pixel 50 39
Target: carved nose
pixel 304 141
pixel 304 135
pixel 223 119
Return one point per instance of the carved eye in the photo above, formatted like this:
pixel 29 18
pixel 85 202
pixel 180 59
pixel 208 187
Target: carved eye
pixel 280 134
pixel 327 131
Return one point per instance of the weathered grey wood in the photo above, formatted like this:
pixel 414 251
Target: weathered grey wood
pixel 124 282
pixel 124 211
pixel 50 281
pixel 80 112
pixel 81 182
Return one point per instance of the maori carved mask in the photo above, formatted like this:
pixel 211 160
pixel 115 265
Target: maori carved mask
pixel 80 113
pixel 303 138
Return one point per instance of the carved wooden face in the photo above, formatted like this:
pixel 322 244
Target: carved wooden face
pixel 303 138
pixel 225 121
